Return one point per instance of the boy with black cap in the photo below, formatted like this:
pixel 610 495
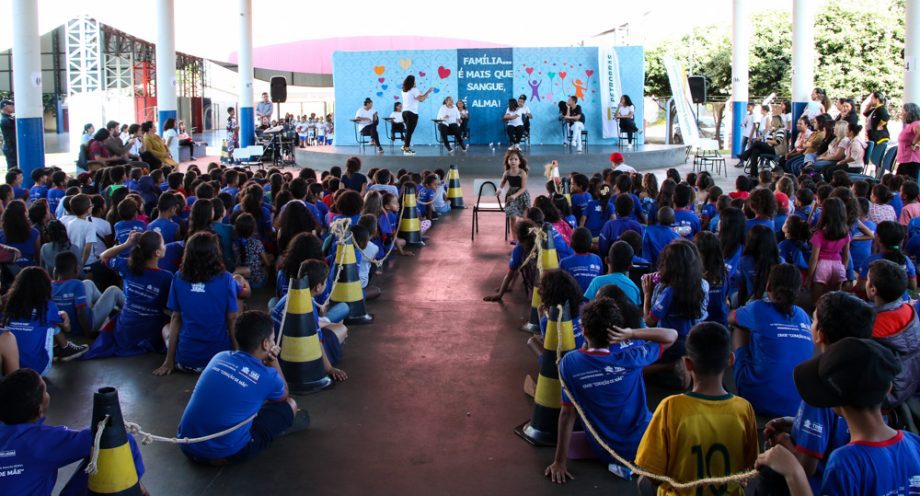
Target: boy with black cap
pixel 853 377
pixel 815 432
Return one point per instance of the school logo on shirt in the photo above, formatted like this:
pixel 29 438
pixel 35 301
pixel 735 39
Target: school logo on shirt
pixel 7 454
pixel 813 428
pixel 915 484
pixel 198 287
pixel 613 370
pixel 250 373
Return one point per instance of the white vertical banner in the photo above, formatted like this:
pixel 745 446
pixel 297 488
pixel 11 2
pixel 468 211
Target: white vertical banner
pixel 611 89
pixel 680 90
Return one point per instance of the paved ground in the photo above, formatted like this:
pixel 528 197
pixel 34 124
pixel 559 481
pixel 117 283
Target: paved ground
pixel 435 390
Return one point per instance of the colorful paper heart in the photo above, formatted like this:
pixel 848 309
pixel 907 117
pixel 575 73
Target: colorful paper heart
pixel 396 97
pixel 384 86
pixel 551 74
pixel 405 63
pixel 589 72
pixel 562 75
pixel 529 70
pixel 421 73
pixel 378 70
pixel 443 72
pixel 381 79
pixel 379 93
pixel 436 90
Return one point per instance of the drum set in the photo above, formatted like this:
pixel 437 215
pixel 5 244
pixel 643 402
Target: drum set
pixel 279 143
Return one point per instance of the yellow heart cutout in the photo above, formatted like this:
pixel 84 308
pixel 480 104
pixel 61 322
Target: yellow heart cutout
pixel 405 63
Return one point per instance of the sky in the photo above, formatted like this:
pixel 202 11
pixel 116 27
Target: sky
pixel 208 28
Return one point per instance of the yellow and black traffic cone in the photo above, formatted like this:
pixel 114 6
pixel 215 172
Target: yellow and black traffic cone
pixel 115 470
pixel 544 424
pixel 348 286
pixel 454 192
pixel 409 224
pixel 548 261
pixel 301 350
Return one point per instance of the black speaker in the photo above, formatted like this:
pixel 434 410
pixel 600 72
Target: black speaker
pixel 698 88
pixel 279 89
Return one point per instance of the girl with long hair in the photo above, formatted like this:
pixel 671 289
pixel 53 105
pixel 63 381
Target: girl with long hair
pixel 830 252
pixel 517 199
pixel 760 254
pixel 411 97
pixel 18 233
pixel 716 275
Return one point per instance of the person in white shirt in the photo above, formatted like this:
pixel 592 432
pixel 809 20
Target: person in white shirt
pixel 396 122
pixel 626 117
pixel 366 118
pixel 763 127
pixel 514 124
pixel 464 119
pixel 576 121
pixel 411 96
pixel 449 124
pixel 171 137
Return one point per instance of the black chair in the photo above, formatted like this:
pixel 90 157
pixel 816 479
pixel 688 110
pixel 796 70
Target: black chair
pixel 362 140
pixel 481 185
pixel 567 135
pixel 437 135
pixel 392 132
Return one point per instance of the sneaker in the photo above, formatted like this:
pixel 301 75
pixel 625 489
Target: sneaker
pixel 408 151
pixel 380 150
pixel 450 150
pixel 70 352
pixel 464 148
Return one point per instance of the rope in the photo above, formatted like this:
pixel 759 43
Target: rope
pixel 737 478
pixel 91 467
pixel 148 438
pixel 539 236
pixel 379 263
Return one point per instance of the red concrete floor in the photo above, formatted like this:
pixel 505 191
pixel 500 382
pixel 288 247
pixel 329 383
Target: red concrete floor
pixel 434 392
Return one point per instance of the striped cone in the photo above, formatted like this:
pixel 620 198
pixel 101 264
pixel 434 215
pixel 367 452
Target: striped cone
pixel 301 351
pixel 348 287
pixel 549 260
pixel 409 225
pixel 115 470
pixel 454 192
pixel 542 428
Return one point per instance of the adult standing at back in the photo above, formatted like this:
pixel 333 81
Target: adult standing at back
pixel 877 118
pixel 8 127
pixel 264 108
pixel 411 96
pixel 909 142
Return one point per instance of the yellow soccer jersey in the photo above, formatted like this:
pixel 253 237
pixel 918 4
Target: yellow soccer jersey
pixel 693 436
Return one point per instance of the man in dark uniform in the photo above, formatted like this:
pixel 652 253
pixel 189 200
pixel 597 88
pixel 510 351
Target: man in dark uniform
pixel 8 128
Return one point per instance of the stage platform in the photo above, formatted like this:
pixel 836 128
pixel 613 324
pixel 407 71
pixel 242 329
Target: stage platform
pixel 482 159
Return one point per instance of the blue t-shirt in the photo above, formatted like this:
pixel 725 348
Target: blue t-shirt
pixel 593 213
pixel 803 212
pixel 517 257
pixel 896 203
pixel 733 263
pixel 687 222
pixel 38 191
pixel 610 389
pixel 168 229
pixel 637 206
pixel 33 453
pixel 718 301
pixel 612 231
pixel 889 467
pixel 817 432
pixel 27 255
pixel 19 193
pixel 714 224
pixel 791 251
pixel 746 274
pixel 778 223
pixel 55 195
pixel 908 266
pixel 140 322
pixel 750 223
pixel 70 297
pixel 662 309
pixel 563 250
pixel 172 259
pixel 912 248
pixel 204 307
pixel 763 369
pixel 124 228
pixel 860 250
pixel 584 267
pixel 709 212
pixel 579 200
pixel 424 195
pixel 654 240
pixel 232 387
pixel 619 279
pixel 36 339
pixel 233 192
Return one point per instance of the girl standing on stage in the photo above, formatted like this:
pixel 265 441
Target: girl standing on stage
pixel 411 97
pixel 517 201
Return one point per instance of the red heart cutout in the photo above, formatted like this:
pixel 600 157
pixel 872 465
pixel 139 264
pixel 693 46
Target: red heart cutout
pixel 381 79
pixel 589 72
pixel 443 72
pixel 529 70
pixel 562 75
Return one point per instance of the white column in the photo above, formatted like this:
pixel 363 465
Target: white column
pixel 166 62
pixel 246 115
pixel 912 52
pixel 741 35
pixel 27 88
pixel 803 55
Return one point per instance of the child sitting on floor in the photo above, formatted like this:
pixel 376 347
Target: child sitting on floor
pixel 583 265
pixel 707 424
pixel 605 379
pixel 619 261
pixel 87 308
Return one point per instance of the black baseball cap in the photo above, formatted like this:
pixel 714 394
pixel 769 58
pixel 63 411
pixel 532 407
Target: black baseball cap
pixel 852 372
pixel 5 102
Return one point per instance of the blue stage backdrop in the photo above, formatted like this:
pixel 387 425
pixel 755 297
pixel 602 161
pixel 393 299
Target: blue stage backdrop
pixel 485 79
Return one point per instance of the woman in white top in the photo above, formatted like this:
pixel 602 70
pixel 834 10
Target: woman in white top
pixel 396 121
pixel 817 105
pixel 514 124
pixel 464 118
pixel 853 156
pixel 171 137
pixel 411 97
pixel 366 118
pixel 449 124
pixel 836 150
pixel 185 139
pixel 625 114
